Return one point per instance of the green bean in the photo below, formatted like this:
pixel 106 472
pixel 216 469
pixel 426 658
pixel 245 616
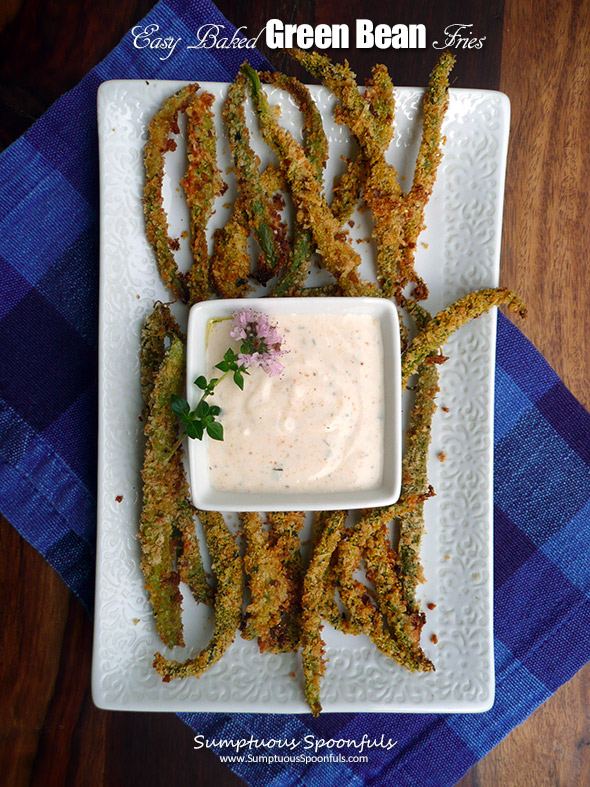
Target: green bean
pixel 435 103
pixel 263 218
pixel 370 535
pixel 159 512
pixel 315 142
pixel 380 100
pixel 354 110
pixel 367 617
pixel 312 210
pixel 322 290
pixel 230 261
pixel 166 524
pixel 414 467
pixel 314 665
pixel 164 123
pixel 446 322
pixel 404 621
pixel 227 567
pixel 189 562
pixel 202 184
pixel 315 145
pixel 414 470
pixel 431 335
pixel 284 541
pixel 266 581
pixel 382 192
pixel 160 325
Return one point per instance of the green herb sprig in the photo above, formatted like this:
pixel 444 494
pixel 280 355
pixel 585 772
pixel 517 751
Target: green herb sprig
pixel 260 345
pixel 202 419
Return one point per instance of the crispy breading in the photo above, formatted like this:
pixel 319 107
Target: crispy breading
pixel 266 580
pixel 202 184
pixel 435 103
pixel 446 322
pixel 263 218
pixel 163 123
pixel 314 666
pixel 166 517
pixel 227 567
pixel 315 146
pixel 312 209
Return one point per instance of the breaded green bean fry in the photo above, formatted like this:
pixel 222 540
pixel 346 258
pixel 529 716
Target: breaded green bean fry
pixel 312 210
pixel 370 536
pixel 159 326
pixel 263 218
pixel 446 322
pixel 315 145
pixel 380 100
pixel 160 502
pixel 314 665
pixel 167 514
pixel 163 123
pixel 414 469
pixel 230 261
pixel 202 184
pixel 266 581
pixel 435 103
pixel 227 567
pixel 382 192
pixel 284 540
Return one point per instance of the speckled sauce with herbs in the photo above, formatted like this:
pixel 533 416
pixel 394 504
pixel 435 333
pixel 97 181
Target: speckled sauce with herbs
pixel 317 427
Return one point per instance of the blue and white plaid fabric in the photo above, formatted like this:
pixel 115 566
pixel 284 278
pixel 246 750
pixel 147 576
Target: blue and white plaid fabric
pixel 48 385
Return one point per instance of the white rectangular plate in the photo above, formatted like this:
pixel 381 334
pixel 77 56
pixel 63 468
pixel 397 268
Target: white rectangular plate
pixel 459 252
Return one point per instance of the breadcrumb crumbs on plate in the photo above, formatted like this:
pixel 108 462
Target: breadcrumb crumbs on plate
pixel 434 639
pixel 431 606
pixel 442 457
pixel 119 498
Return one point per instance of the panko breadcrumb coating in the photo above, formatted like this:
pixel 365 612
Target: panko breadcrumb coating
pixel 163 123
pixel 263 218
pixel 315 146
pixel 166 523
pixel 202 184
pixel 227 567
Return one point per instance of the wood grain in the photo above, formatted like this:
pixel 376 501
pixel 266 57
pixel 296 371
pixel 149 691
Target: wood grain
pixel 538 53
pixel 547 210
pixel 546 74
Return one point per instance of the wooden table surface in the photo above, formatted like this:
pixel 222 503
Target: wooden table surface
pixel 536 52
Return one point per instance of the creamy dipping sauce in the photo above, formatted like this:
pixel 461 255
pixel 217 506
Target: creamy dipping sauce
pixel 317 427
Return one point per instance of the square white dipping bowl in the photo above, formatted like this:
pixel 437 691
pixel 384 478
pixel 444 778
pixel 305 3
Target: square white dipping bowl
pixel 385 492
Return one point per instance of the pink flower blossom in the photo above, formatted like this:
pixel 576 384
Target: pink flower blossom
pixel 260 341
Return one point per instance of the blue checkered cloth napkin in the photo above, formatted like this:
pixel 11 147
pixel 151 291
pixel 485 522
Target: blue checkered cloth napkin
pixel 48 404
